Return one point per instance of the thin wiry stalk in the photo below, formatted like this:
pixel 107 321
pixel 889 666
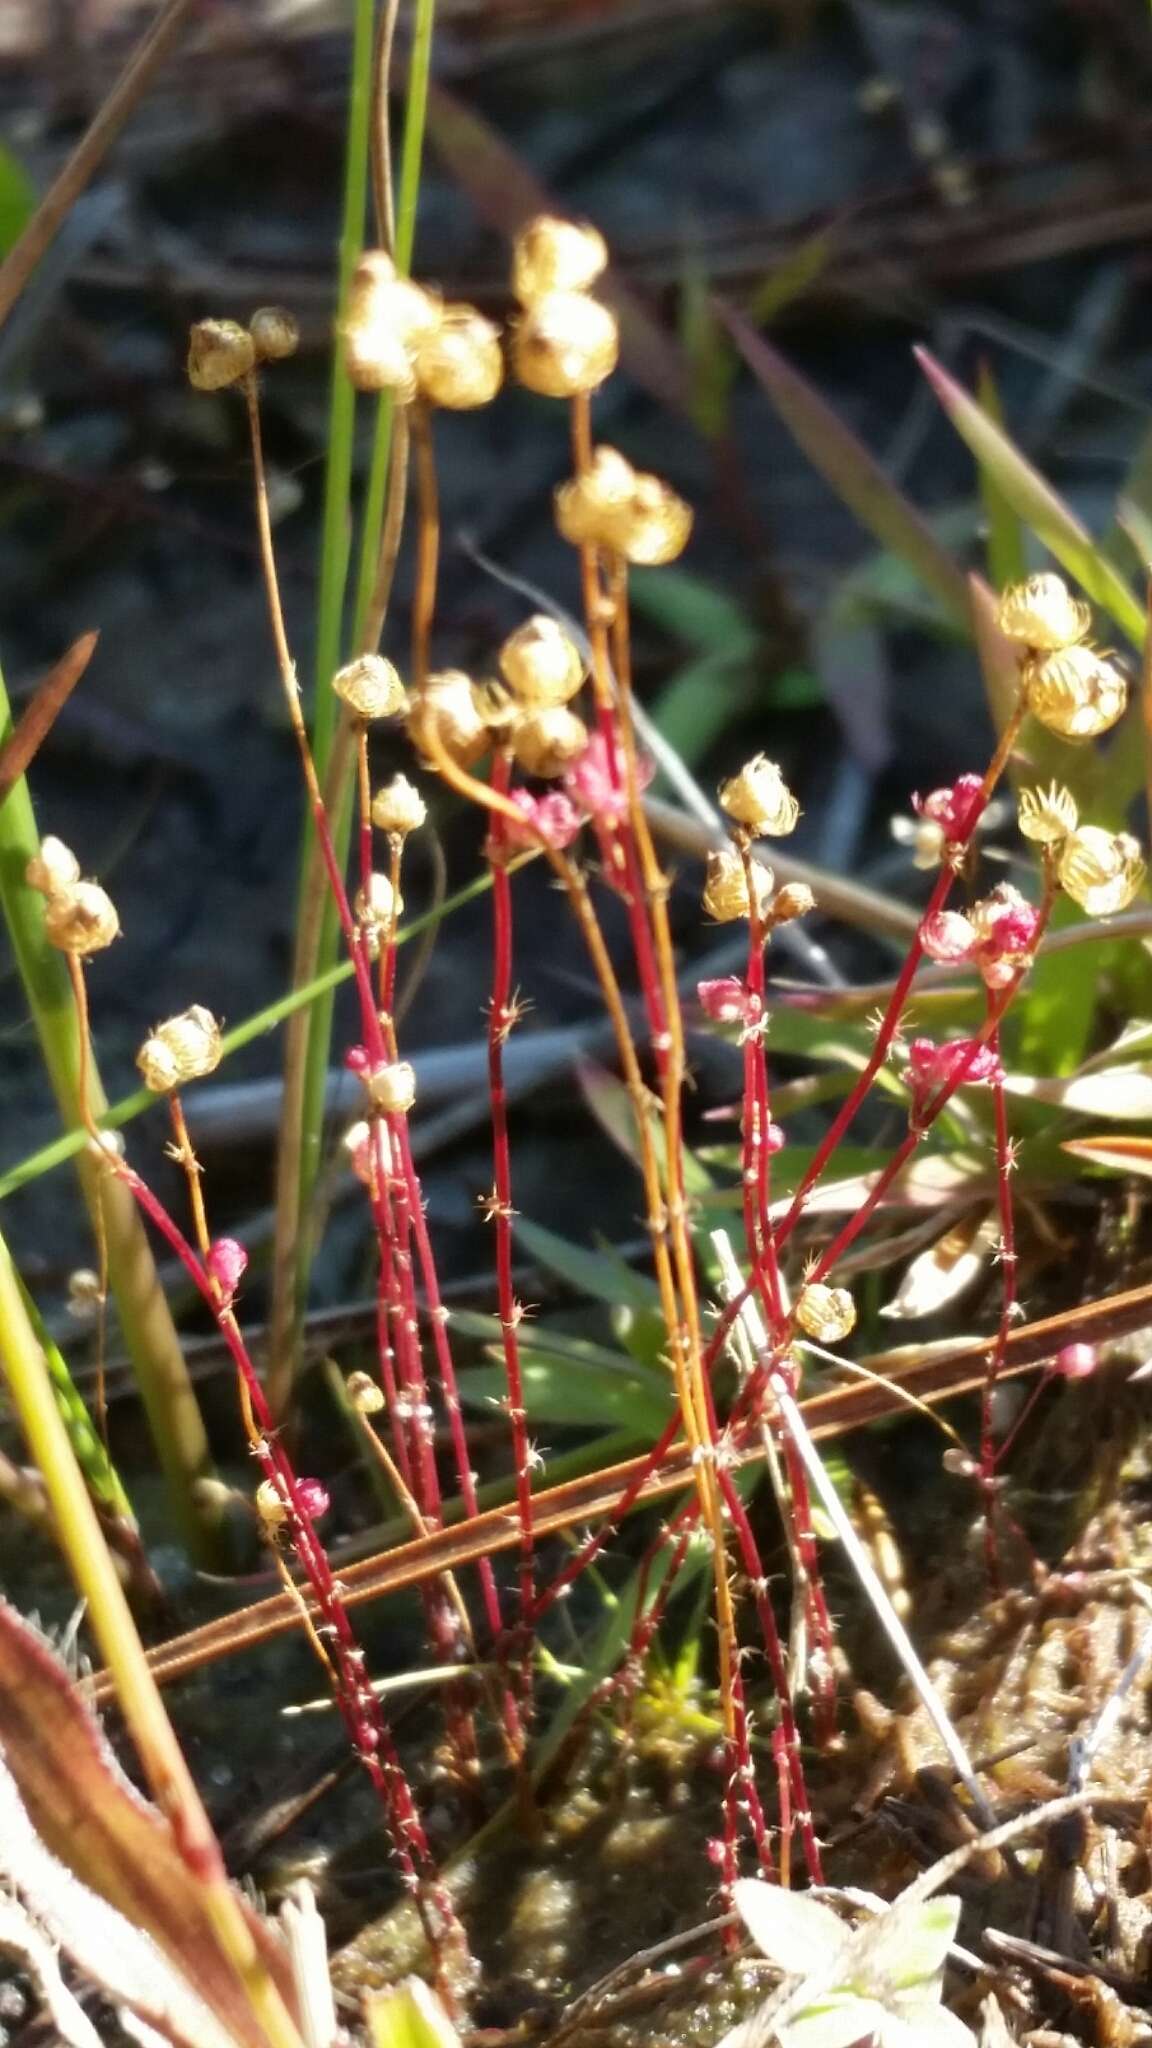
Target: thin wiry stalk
pixel 1006 1259
pixel 503 1013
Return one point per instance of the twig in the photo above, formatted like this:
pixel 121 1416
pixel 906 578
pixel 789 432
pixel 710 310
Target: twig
pixel 61 196
pixel 40 715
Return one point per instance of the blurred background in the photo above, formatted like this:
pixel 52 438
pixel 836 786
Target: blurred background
pixel 856 175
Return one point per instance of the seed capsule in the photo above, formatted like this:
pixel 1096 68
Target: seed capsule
pixel 275 334
pixel 587 504
pixel 446 709
pixel 726 888
pixel 566 344
pixel 760 800
pixel 370 686
pixel 363 1393
pixel 552 255
pixel 53 868
pixel 652 527
pixel 1101 871
pixel 794 900
pixel 1075 692
pixel 220 353
pixel 81 918
pixel 460 365
pixel 398 808
pixel 392 1088
pixel 826 1314
pixel 545 742
pixel 1042 614
pixel 183 1049
pixel 1046 816
pixel 541 665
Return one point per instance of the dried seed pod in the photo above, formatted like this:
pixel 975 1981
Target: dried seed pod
pixel 826 1314
pixel 446 710
pixel 370 686
pixel 1101 871
pixel 1075 692
pixel 388 320
pixel 1042 615
pixel 182 1049
pixel 551 255
pixel 460 365
pixel 220 353
pixel 53 868
pixel 541 665
pixel 652 527
pixel 275 334
pixel 271 1506
pixel 566 344
pixel 364 1394
pixel 81 918
pixel 794 900
pixel 357 1145
pixel 760 799
pixel 392 1088
pixel 726 888
pixel 587 504
pixel 377 903
pixel 545 742
pixel 398 808
pixel 1047 816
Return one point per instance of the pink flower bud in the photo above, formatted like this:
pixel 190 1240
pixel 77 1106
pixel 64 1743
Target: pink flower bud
pixel 226 1263
pixel 552 817
pixel 357 1060
pixel 598 781
pixel 727 1001
pixel 1075 1361
pixel 313 1498
pixel 933 1069
pixel 774 1139
pixel 955 810
pixel 947 937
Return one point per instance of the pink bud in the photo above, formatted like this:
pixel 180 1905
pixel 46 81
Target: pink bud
pixel 716 1852
pixel 357 1059
pixel 226 1263
pixel 1076 1361
pixel 955 810
pixel 727 1001
pixel 552 817
pixel 597 781
pixel 313 1498
pixel 947 937
pixel 933 1069
pixel 774 1139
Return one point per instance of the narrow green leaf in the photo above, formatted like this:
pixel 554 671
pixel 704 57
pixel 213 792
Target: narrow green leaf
pixel 1005 548
pixel 592 1275
pixel 1036 503
pixel 854 474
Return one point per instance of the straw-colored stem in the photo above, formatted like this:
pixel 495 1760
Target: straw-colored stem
pixel 110 1619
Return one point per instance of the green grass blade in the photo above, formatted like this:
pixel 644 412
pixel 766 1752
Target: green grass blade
pixel 1005 546
pixel 854 474
pixel 1035 502
pixel 149 1333
pixel 131 1106
pixel 103 1480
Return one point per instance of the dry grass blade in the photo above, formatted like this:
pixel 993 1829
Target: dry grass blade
pixel 90 151
pixel 936 1377
pixel 88 1815
pixel 48 700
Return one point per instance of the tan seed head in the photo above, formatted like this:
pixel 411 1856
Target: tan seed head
pixel 392 1088
pixel 726 888
pixel 760 799
pixel 565 344
pixel 552 255
pixel 275 334
pixel 545 742
pixel 398 808
pixel 53 868
pixel 364 1393
pixel 587 504
pixel 182 1049
pixel 81 918
pixel 826 1314
pixel 1046 816
pixel 1075 692
pixel 220 353
pixel 1042 615
pixel 370 686
pixel 461 364
pixel 541 665
pixel 1101 871
pixel 446 711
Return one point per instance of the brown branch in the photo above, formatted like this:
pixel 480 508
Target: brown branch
pixel 938 1377
pixel 48 700
pixel 90 151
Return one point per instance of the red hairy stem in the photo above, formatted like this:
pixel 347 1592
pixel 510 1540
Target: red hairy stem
pixel 502 1016
pixel 356 1700
pixel 1005 1165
